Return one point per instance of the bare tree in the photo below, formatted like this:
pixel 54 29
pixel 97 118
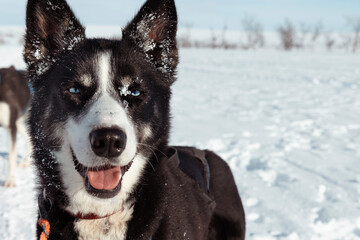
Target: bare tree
pixel 254 36
pixel 214 39
pixel 346 41
pixel 305 29
pixel 198 44
pixel 185 39
pixel 316 31
pixel 287 34
pixel 308 34
pixel 224 43
pixel 329 41
pixel 2 41
pixel 354 23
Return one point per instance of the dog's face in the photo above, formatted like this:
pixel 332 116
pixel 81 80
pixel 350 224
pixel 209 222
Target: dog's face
pixel 100 107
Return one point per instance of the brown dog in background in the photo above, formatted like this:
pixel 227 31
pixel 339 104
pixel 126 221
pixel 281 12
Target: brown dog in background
pixel 14 100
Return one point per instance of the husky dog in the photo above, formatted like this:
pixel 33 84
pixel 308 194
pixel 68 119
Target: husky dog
pixel 100 124
pixel 14 100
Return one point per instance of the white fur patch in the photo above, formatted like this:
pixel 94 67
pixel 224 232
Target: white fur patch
pixel 104 71
pixel 86 80
pixel 22 129
pixel 113 227
pixel 147 132
pixel 4 114
pixel 5 122
pixel 10 179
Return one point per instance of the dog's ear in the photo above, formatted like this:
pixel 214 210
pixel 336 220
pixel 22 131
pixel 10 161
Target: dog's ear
pixel 51 29
pixel 154 31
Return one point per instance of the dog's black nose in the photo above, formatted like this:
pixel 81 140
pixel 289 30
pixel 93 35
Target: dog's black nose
pixel 108 142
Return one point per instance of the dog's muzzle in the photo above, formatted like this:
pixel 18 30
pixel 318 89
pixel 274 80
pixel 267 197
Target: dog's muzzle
pixel 104 181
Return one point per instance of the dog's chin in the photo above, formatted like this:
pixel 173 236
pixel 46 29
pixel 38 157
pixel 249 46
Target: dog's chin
pixel 104 189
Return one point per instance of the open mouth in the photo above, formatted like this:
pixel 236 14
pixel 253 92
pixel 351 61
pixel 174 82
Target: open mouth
pixel 101 181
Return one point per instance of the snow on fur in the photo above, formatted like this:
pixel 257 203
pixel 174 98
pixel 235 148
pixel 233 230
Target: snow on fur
pixel 144 27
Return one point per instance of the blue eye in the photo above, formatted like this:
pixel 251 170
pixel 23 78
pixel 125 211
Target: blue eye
pixel 74 90
pixel 136 93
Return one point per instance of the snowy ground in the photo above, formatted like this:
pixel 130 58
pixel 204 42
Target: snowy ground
pixel 288 124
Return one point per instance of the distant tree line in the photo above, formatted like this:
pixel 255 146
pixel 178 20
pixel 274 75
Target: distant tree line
pixel 290 36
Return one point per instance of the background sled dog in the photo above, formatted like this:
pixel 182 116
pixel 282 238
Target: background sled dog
pixel 14 100
pixel 100 125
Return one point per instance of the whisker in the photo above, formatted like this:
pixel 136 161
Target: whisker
pixel 151 147
pixel 152 166
pixel 157 159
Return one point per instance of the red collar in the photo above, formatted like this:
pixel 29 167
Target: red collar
pixel 91 216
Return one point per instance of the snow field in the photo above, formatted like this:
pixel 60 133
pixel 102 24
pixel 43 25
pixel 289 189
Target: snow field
pixel 288 124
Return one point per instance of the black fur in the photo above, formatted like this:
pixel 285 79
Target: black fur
pixel 167 203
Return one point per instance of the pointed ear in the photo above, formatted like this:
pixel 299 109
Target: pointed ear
pixel 154 31
pixel 51 29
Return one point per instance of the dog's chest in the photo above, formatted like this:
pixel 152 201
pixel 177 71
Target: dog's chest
pixel 112 228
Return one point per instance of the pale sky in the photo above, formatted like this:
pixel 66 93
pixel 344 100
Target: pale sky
pixel 204 14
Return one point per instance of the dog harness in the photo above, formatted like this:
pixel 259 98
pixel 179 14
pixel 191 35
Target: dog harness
pixel 193 163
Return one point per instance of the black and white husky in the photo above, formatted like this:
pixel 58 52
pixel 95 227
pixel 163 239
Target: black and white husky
pixel 14 100
pixel 100 123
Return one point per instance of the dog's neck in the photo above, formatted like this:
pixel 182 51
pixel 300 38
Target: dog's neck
pixel 87 226
pixel 91 216
pixel 111 227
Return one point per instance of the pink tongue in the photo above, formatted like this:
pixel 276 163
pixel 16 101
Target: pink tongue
pixel 105 179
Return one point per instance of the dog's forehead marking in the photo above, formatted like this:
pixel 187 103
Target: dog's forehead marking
pixel 146 132
pixel 104 71
pixel 126 81
pixel 86 80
